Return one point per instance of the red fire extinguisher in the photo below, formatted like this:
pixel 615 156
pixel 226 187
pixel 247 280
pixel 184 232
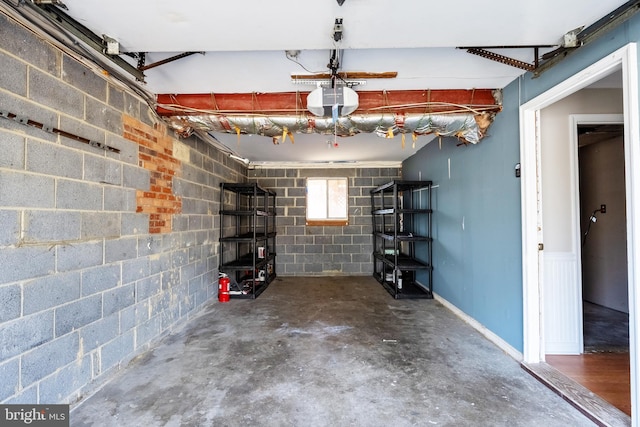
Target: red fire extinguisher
pixel 223 289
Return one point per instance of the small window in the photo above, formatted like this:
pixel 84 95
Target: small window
pixel 327 201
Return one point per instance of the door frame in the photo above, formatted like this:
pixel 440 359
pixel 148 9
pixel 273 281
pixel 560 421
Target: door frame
pixel 624 58
pixel 574 121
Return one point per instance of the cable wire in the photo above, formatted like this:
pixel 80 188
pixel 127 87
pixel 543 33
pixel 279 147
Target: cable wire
pixel 592 219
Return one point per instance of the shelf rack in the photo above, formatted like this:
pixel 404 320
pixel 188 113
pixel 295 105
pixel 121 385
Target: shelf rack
pixel 402 238
pixel 247 238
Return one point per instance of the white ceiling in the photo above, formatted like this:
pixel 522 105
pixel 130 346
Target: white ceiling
pixel 245 42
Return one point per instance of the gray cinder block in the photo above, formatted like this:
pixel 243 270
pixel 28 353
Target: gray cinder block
pixel 134 269
pixel 10 374
pixel 120 199
pixel 148 330
pixel 50 291
pixel 120 249
pixel 118 299
pixel 102 170
pixel 25 262
pixel 99 333
pixel 135 177
pixel 47 90
pixel 128 149
pixel 134 223
pixel 53 159
pixel 115 98
pixel 13 194
pixel 26 396
pixel 147 287
pixel 61 386
pixel 47 358
pixel 10 230
pixel 10 301
pixel 80 77
pixel 82 128
pixel 13 75
pixel 25 333
pixel 21 42
pixel 30 110
pixel 79 255
pixel 117 351
pixel 99 224
pixel 48 226
pixel 100 279
pixel 12 146
pixel 78 195
pixel 103 116
pixel 77 314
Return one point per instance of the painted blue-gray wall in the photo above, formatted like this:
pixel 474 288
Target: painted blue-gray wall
pixel 477 223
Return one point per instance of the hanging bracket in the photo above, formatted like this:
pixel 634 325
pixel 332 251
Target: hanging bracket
pixel 503 59
pixel 143 67
pixel 572 40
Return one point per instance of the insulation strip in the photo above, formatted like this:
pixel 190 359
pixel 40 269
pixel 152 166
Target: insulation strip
pixel 469 127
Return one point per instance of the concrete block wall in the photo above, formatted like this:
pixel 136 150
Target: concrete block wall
pixel 322 250
pixel 88 280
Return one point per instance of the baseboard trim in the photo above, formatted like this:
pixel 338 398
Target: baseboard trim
pixel 491 336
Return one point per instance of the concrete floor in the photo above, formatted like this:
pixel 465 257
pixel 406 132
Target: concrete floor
pixel 605 329
pixel 325 352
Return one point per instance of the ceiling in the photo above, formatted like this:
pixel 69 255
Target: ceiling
pixel 254 46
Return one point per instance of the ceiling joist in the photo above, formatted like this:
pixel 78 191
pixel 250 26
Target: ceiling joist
pixel 345 75
pixel 403 101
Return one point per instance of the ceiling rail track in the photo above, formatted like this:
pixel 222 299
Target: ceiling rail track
pixel 580 37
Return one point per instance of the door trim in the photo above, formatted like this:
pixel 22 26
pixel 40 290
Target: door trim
pixel 625 58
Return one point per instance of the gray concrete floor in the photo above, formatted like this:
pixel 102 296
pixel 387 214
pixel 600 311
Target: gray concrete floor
pixel 325 352
pixel 605 329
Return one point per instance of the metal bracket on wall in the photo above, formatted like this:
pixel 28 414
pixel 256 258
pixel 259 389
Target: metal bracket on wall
pixel 143 67
pixel 592 32
pixel 483 52
pixel 28 122
pixel 61 19
pixel 549 59
pixel 48 9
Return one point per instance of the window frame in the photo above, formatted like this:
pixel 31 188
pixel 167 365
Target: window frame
pixel 328 221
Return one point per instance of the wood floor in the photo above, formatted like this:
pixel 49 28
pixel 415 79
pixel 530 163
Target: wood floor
pixel 605 374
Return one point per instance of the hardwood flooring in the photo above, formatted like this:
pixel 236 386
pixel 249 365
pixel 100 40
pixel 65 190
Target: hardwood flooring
pixel 596 382
pixel 605 374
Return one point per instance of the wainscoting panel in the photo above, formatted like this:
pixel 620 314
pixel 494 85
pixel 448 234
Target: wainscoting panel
pixel 562 297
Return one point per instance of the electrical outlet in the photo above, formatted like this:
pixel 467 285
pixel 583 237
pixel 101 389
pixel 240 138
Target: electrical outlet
pixel 603 208
pixel 293 54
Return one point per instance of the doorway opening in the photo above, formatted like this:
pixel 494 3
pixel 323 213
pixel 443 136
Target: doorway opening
pixel 539 260
pixel 602 365
pixel 603 237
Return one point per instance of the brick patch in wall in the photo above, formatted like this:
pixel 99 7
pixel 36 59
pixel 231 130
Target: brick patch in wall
pixel 155 153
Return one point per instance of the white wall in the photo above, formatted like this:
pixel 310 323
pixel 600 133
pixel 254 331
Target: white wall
pixel 558 224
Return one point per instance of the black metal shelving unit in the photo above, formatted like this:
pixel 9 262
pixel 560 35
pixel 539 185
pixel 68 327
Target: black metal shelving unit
pixel 402 239
pixel 247 238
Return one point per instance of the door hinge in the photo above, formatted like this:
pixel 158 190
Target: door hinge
pixel 540 246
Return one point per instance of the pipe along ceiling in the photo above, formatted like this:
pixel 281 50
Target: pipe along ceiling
pixel 465 115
